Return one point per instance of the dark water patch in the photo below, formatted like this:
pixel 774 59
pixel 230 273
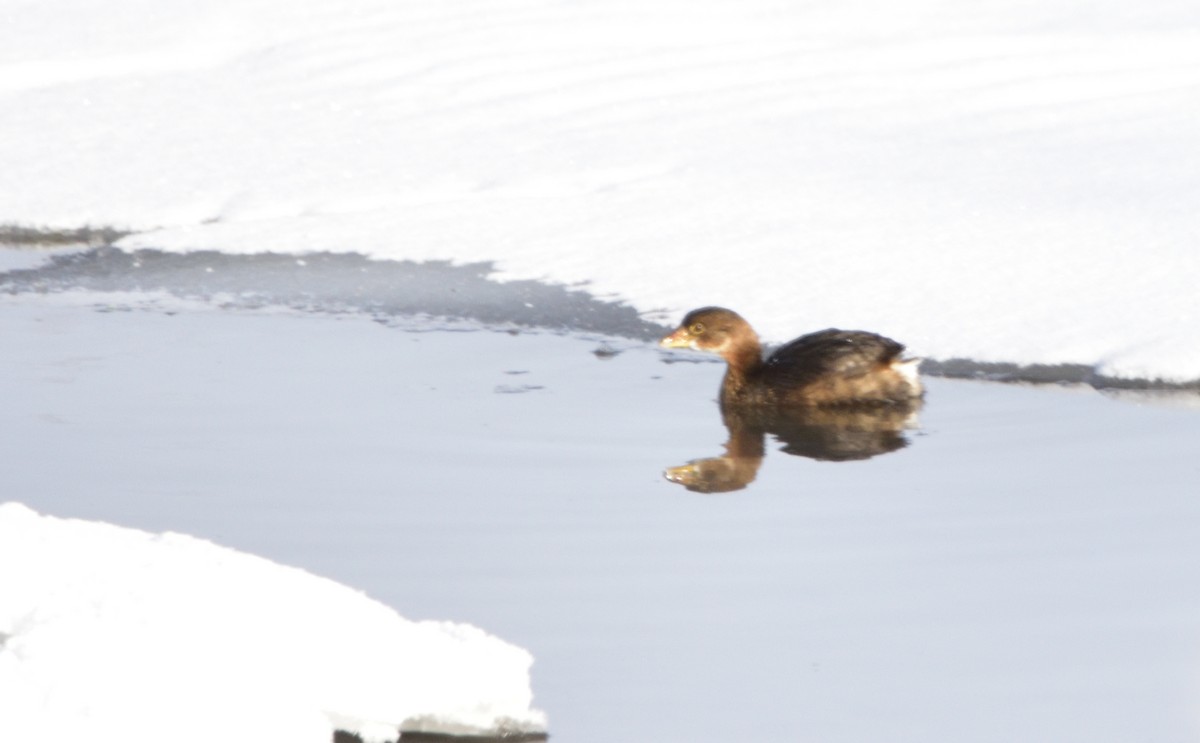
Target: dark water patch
pixel 1045 374
pixel 335 282
pixel 341 736
pixel 19 235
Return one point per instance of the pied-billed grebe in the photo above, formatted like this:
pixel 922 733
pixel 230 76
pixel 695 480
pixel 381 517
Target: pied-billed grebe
pixel 830 367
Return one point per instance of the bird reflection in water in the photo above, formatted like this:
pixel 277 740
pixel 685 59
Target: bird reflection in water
pixel 831 434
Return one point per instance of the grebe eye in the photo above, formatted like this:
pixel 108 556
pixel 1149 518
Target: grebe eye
pixel 697 328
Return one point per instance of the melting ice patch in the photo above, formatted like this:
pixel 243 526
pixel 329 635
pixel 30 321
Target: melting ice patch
pixel 115 634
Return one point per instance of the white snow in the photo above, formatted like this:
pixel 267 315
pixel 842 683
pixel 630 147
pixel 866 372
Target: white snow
pixel 109 633
pixel 1002 181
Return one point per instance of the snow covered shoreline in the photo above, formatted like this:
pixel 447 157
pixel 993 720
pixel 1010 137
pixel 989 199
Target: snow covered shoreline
pixel 1005 182
pixel 109 633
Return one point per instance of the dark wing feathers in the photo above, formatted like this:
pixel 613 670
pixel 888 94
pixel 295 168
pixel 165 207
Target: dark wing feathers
pixel 844 353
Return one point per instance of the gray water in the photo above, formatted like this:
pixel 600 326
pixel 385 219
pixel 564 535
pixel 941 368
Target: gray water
pixel 1020 563
pixel 332 282
pixel 350 282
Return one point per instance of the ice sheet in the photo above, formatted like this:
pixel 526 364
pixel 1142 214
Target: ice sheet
pixel 116 634
pixel 1004 182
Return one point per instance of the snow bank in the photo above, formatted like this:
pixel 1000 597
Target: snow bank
pixel 1002 181
pixel 115 634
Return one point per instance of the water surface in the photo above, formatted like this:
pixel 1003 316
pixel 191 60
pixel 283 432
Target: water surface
pixel 1025 566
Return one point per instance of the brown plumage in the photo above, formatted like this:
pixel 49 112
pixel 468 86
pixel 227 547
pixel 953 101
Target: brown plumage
pixel 829 367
